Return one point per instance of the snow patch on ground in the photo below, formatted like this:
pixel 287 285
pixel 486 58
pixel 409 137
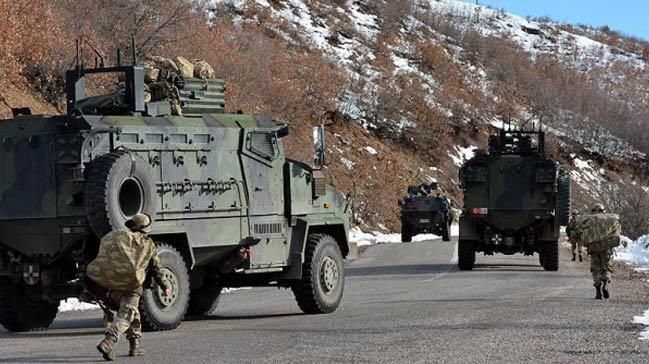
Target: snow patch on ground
pixel 360 237
pixel 636 254
pixel 643 320
pixel 349 164
pixel 371 150
pixel 73 304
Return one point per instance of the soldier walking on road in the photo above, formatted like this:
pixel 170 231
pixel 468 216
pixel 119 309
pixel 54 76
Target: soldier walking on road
pixel 121 267
pixel 576 245
pixel 600 233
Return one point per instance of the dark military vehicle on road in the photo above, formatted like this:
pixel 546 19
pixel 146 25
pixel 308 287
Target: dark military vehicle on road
pixel 515 200
pixel 229 208
pixel 424 212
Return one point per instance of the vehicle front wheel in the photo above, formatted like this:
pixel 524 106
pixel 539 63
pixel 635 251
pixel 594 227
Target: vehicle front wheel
pixel 323 276
pixel 465 255
pixel 551 256
pixel 160 312
pixel 446 233
pixel 406 233
pixel 23 308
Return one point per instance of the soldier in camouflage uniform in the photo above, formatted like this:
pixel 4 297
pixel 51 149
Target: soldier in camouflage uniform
pixel 167 89
pixel 576 245
pixel 600 261
pixel 121 267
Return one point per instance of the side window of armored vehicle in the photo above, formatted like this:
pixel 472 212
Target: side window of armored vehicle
pixel 263 144
pixel 178 138
pixel 201 138
pixel 129 138
pixel 154 138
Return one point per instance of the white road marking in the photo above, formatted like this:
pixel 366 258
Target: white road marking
pixel 451 264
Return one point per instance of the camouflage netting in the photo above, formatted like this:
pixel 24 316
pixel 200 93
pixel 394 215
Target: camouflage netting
pixel 121 262
pixel 597 228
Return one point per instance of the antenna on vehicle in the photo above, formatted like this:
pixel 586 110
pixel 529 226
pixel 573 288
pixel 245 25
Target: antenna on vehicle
pixel 134 49
pixel 81 54
pixel 119 57
pixel 527 121
pixel 99 60
pixel 78 54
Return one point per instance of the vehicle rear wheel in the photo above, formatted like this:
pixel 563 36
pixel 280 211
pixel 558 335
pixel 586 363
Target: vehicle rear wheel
pixel 323 276
pixel 406 233
pixel 203 300
pixel 564 192
pixel 160 312
pixel 120 184
pixel 446 233
pixel 22 307
pixel 551 256
pixel 465 255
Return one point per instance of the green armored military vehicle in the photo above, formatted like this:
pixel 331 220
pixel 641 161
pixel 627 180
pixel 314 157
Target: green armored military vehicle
pixel 515 200
pixel 425 212
pixel 229 208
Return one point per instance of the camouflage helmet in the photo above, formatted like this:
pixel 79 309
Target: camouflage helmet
pixel 598 207
pixel 139 222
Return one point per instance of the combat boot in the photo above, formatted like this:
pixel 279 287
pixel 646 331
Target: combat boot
pixel 105 347
pixel 574 256
pixel 605 289
pixel 598 291
pixel 134 347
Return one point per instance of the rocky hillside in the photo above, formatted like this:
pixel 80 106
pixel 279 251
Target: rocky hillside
pixel 408 89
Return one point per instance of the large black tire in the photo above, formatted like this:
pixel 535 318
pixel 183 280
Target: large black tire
pixel 564 196
pixel 119 185
pixel 203 300
pixel 406 233
pixel 551 256
pixel 465 255
pixel 323 276
pixel 165 313
pixel 446 233
pixel 22 307
pixel 541 258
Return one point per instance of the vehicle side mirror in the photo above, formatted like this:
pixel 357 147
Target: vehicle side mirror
pixel 319 146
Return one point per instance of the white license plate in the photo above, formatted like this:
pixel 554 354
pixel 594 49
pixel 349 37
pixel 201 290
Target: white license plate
pixel 424 221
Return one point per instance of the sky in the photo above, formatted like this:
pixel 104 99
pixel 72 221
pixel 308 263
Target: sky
pixel 630 17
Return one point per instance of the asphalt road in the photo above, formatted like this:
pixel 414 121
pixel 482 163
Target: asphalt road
pixel 402 303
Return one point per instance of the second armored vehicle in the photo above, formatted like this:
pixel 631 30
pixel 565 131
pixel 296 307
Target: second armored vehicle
pixel 515 200
pixel 230 209
pixel 425 212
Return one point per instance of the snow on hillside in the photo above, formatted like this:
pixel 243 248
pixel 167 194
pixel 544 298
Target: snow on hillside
pixel 587 175
pixel 352 36
pixel 535 37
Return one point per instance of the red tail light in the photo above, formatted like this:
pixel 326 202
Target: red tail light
pixel 478 211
